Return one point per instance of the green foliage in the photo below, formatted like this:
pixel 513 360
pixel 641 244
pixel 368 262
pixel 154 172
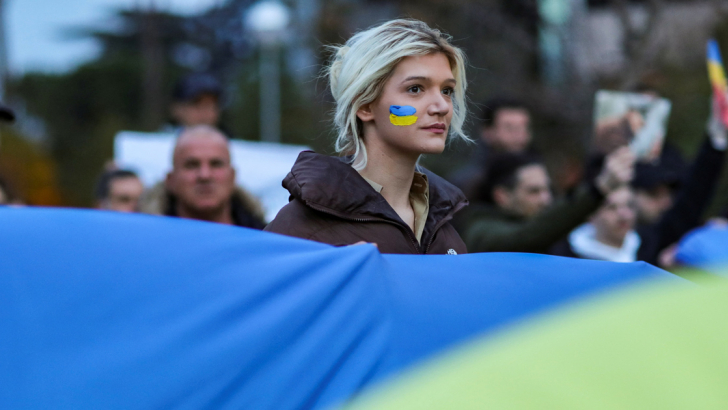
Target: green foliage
pixel 27 169
pixel 83 110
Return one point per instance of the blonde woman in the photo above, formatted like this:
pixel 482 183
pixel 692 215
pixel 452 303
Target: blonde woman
pixel 400 93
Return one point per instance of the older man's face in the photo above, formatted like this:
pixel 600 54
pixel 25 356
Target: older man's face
pixel 202 178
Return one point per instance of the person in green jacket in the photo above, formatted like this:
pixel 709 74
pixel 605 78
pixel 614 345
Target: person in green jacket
pixel 517 212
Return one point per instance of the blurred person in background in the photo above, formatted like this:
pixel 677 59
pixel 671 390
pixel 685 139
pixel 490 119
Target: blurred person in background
pixel 515 210
pixel 196 100
pixel 119 190
pixel 506 128
pixel 400 93
pixel 7 196
pixel 656 184
pixel 4 195
pixel 664 187
pixel 609 235
pixel 201 184
pixel 644 223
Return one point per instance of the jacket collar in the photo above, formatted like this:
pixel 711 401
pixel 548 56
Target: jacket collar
pixel 329 184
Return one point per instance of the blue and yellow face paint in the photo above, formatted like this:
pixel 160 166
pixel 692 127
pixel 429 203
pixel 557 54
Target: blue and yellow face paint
pixel 716 73
pixel 402 115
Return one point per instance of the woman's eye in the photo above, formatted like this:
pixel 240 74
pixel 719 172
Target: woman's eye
pixel 414 89
pixel 448 91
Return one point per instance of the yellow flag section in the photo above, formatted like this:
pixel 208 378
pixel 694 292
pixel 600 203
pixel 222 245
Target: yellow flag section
pixel 663 347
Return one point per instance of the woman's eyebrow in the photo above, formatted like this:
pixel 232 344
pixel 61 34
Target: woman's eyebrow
pixel 416 78
pixel 427 79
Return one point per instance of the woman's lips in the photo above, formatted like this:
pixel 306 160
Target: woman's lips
pixel 437 128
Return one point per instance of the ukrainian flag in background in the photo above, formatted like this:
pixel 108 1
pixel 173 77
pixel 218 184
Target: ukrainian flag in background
pixel 402 114
pixel 715 67
pixel 716 73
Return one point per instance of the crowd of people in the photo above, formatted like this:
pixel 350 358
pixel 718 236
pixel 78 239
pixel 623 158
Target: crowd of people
pixel 625 210
pixel 400 93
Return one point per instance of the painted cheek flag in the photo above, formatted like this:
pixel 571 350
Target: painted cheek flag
pixel 402 114
pixel 716 73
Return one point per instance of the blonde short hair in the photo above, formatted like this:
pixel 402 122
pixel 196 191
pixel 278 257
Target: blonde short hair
pixel 359 69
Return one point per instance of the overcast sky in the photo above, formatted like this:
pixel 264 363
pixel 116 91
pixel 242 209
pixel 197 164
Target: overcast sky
pixel 35 29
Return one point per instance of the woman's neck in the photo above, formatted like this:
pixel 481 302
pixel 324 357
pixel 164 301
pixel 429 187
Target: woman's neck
pixel 394 172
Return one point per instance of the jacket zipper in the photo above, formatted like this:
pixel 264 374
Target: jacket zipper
pixel 458 206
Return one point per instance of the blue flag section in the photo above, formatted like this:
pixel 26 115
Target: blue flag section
pixel 108 310
pixel 705 247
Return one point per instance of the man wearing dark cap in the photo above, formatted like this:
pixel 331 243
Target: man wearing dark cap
pixel 196 101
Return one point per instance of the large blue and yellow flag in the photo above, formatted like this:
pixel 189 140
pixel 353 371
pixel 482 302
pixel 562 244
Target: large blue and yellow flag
pixel 649 347
pixel 110 310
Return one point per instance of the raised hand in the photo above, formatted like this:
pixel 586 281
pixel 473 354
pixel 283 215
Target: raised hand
pixel 618 170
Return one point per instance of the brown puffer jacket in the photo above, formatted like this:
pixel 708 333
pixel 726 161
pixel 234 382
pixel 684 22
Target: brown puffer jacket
pixel 332 203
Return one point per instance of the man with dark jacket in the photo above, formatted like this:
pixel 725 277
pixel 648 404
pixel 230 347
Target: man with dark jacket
pixel 201 184
pixel 518 213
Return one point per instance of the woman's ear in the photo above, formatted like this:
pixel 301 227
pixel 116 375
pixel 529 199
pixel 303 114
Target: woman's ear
pixel 365 113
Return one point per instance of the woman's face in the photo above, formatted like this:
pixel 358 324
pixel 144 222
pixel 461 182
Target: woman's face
pixel 424 83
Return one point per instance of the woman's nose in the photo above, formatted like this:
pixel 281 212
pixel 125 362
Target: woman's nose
pixel 440 105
